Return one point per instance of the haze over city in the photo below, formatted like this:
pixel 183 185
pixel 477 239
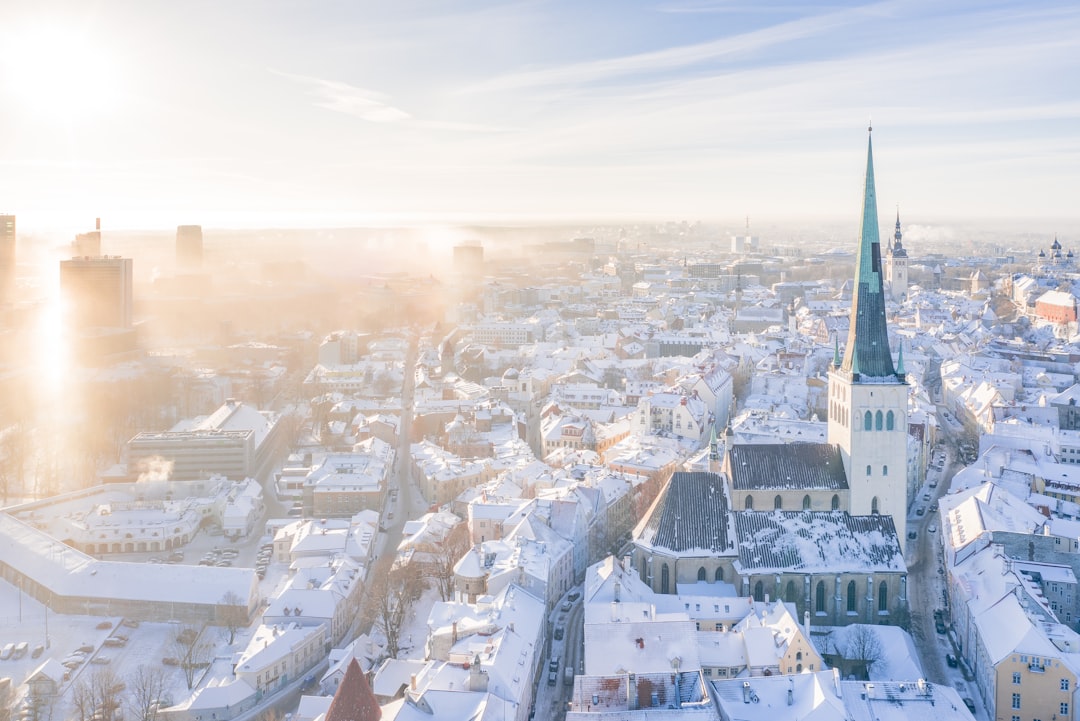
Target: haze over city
pixel 283 114
pixel 692 360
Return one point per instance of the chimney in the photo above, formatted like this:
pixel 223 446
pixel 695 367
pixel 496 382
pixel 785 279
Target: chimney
pixel 97 223
pixel 412 682
pixel 806 624
pixel 618 592
pixel 453 633
pixel 836 683
pixel 746 692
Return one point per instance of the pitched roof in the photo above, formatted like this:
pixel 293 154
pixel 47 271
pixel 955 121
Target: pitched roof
pixel 817 541
pixel 767 466
pixel 691 513
pixel 867 351
pixel 354 700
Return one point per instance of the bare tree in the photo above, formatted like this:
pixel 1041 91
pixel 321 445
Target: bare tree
pixel 863 645
pixel 147 686
pixel 232 614
pixel 391 597
pixel 190 652
pixel 97 696
pixel 445 556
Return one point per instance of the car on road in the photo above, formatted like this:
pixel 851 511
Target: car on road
pixel 912 535
pixel 926 496
pixel 939 625
pixel 567 605
pixel 6 652
pixel 559 633
pixel 920 511
pixel 553 664
pixel 951 660
pixel 934 507
pixel 574 596
pixel 970 704
pixel 552 678
pixel 932 528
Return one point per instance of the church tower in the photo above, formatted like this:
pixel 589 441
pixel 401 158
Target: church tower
pixel 868 395
pixel 896 265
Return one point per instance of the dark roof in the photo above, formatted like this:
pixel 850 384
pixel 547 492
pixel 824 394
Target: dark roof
pixel 867 351
pixel 817 542
pixel 691 513
pixel 779 466
pixel 354 700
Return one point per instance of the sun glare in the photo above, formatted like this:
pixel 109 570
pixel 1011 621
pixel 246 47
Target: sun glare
pixel 56 73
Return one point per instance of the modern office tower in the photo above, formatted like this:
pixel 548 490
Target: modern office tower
pixel 97 291
pixel 88 245
pixel 189 247
pixel 469 259
pixel 7 257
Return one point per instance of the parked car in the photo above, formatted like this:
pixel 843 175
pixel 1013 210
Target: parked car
pixel 574 596
pixel 38 650
pixel 951 660
pixel 552 678
pixel 920 511
pixel 970 704
pixel 932 528
pixel 567 606
pixel 20 649
pixel 6 651
pixel 939 625
pixel 559 633
pixel 912 535
pixel 553 664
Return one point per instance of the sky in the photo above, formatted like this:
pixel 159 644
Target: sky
pixel 306 113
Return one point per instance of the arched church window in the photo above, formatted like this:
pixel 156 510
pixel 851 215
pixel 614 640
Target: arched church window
pixel 873 505
pixel 719 575
pixel 890 421
pixel 777 502
pixel 759 591
pixel 869 470
pixel 878 420
pixel 883 597
pixel 701 574
pixel 868 421
pixel 749 503
pixel 884 470
pixel 789 592
pixel 665 579
pixel 806 502
pixel 836 502
pixel 851 597
pixel 819 597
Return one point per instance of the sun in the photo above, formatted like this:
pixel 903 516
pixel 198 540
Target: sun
pixel 58 72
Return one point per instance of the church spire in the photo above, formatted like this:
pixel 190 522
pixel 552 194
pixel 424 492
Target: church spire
pixel 867 351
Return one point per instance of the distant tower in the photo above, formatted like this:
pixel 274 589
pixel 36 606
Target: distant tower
pixel 189 247
pixel 896 270
pixel 88 245
pixel 97 291
pixel 868 396
pixel 7 257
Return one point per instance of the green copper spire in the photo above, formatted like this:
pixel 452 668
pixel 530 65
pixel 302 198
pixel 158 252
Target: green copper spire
pixel 867 351
pixel 836 350
pixel 900 362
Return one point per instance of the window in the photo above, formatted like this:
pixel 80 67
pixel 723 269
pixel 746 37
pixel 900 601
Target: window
pixel 836 502
pixel 1064 709
pixel 878 420
pixel 664 578
pixel 883 597
pixel 798 668
pixel 719 575
pixel 873 505
pixel 789 592
pixel 759 592
pixel 1016 677
pixel 798 655
pixel 1016 701
pixel 1064 684
pixel 777 502
pixel 749 504
pixel 819 600
pixel 1015 717
pixel 851 597
pixel 890 421
pixel 884 470
pixel 806 502
pixel 868 421
pixel 869 470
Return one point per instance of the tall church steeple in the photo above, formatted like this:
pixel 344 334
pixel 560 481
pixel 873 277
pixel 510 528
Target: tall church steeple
pixel 868 395
pixel 868 339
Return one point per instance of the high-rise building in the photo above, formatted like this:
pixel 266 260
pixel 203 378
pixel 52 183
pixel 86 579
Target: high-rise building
pixel 189 247
pixel 88 245
pixel 7 257
pixel 896 270
pixel 868 395
pixel 97 291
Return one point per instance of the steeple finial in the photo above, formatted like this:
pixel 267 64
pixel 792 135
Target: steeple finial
pixel 836 350
pixel 900 363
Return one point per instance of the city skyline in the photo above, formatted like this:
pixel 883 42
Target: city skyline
pixel 153 115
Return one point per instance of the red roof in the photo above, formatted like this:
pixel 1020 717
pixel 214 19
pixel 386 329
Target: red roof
pixel 354 700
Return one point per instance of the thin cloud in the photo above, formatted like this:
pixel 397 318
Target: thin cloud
pixel 344 98
pixel 678 57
